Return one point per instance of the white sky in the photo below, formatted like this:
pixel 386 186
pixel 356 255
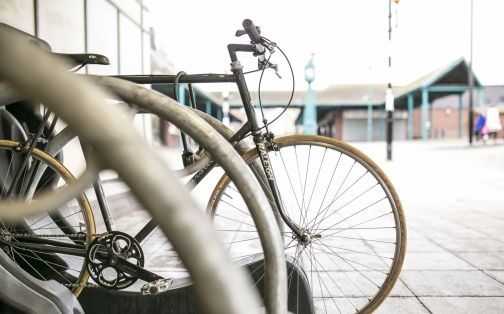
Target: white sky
pixel 347 37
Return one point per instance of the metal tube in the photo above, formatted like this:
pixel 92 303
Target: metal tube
pixel 390 118
pixel 410 116
pixel 471 83
pixel 181 116
pixel 169 79
pixel 460 116
pixel 8 94
pixel 221 287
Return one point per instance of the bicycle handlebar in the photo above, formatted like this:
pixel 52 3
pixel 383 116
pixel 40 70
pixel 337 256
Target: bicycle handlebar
pixel 252 31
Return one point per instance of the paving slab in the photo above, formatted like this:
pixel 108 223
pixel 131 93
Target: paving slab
pixel 450 305
pixel 403 305
pixel 422 245
pixel 452 196
pixel 497 275
pixel 491 260
pixel 481 245
pixel 451 283
pixel 435 261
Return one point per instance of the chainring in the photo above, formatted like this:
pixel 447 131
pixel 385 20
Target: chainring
pixel 103 250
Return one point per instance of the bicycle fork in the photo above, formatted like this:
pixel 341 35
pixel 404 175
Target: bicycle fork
pixel 270 177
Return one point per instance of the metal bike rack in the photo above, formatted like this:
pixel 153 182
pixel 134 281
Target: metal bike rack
pixel 260 209
pixel 179 299
pixel 169 111
pixel 21 291
pixel 219 285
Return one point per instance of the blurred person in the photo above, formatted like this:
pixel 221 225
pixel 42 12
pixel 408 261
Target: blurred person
pixel 493 122
pixel 478 126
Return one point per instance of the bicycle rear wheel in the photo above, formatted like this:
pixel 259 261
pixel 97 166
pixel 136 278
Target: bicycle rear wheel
pixel 346 206
pixel 32 241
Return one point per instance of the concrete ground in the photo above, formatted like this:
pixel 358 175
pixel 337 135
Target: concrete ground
pixel 453 197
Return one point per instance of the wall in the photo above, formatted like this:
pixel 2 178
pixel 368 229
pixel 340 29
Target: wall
pixel 355 125
pixel 444 122
pixel 118 29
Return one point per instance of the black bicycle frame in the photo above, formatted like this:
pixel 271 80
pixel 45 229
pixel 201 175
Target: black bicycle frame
pixel 251 126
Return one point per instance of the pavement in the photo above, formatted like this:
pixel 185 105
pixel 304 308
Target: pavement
pixel 453 198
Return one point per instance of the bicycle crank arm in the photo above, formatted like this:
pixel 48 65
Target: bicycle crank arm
pixel 133 270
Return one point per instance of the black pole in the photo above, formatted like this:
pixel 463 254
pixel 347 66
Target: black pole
pixel 470 78
pixel 390 119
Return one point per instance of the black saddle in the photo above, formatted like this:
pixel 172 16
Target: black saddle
pixel 85 58
pixel 76 58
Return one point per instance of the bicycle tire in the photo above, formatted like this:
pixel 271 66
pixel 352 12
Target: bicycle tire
pixel 225 214
pixel 46 223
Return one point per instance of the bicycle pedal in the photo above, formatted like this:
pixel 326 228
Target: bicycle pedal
pixel 156 287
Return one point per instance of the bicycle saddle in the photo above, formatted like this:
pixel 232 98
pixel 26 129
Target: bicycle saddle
pixel 87 58
pixel 79 58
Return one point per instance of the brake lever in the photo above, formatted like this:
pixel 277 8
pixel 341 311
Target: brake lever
pixel 240 32
pixel 264 65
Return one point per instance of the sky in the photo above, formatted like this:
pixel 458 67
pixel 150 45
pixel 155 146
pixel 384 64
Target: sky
pixel 349 38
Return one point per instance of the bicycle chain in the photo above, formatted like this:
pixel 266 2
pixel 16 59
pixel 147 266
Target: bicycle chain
pixel 72 235
pixel 75 285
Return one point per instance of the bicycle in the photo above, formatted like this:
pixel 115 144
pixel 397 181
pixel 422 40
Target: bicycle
pixel 322 230
pixel 134 271
pixel 48 81
pixel 376 225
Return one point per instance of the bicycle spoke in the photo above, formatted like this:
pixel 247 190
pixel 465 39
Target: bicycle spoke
pixel 348 260
pixel 356 309
pixel 290 182
pixel 236 208
pixel 336 195
pixel 53 222
pixel 229 243
pixel 354 213
pixel 234 220
pixel 360 223
pixel 7 176
pixel 303 204
pixel 354 251
pixel 301 185
pixel 316 181
pixel 346 273
pixel 22 181
pixel 296 261
pixel 43 185
pixel 42 277
pixel 322 281
pixel 360 239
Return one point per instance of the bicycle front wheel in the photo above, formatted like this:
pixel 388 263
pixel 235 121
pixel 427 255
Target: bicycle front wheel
pixel 47 245
pixel 345 205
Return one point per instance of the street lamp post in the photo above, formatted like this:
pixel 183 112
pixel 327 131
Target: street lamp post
pixel 310 110
pixel 389 94
pixel 471 82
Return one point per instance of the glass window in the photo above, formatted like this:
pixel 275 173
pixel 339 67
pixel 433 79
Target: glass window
pixel 61 24
pixel 146 53
pixel 131 8
pixel 19 14
pixel 102 35
pixel 146 21
pixel 130 47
